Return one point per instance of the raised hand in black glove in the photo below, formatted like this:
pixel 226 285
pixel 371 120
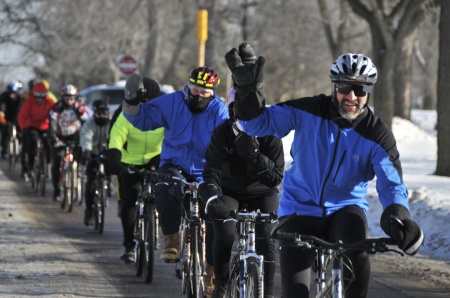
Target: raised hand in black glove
pixel 113 163
pixel 134 89
pixel 247 146
pixel 397 224
pixel 247 70
pixel 248 74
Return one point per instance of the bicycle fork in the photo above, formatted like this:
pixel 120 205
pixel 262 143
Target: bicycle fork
pixel 334 285
pixel 249 253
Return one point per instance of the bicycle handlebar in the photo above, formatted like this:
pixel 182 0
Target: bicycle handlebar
pixel 369 245
pixel 253 215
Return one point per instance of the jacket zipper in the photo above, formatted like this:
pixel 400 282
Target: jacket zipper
pixel 341 161
pixel 324 213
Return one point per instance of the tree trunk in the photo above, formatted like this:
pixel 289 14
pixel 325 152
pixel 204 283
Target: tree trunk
pixel 403 78
pixel 152 39
pixel 443 107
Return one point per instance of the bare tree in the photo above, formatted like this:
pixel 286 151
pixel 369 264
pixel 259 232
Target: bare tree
pixel 391 22
pixel 78 41
pixel 443 110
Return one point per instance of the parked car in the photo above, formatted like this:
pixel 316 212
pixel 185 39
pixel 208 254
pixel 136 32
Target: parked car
pixel 114 93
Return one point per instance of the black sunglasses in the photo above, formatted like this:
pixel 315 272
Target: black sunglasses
pixel 346 88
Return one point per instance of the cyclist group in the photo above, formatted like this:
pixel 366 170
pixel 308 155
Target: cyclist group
pixel 57 123
pixel 234 150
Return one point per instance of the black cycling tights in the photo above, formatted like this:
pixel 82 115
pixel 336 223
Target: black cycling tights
pixel 349 225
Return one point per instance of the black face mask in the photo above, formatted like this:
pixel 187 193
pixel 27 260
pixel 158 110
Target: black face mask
pixel 198 104
pixel 101 121
pixel 231 111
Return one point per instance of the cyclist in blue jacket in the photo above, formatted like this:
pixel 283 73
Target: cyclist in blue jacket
pixel 339 146
pixel 189 117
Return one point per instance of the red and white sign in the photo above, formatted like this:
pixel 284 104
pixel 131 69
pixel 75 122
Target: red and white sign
pixel 127 64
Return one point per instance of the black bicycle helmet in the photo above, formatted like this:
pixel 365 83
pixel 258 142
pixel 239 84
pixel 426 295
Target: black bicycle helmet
pixel 151 87
pixel 204 77
pixel 100 105
pixel 353 68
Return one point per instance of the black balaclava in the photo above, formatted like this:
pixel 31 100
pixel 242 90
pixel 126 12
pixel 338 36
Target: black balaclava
pixel 101 121
pixel 196 103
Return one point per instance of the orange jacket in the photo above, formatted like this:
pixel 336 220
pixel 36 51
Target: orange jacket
pixel 35 115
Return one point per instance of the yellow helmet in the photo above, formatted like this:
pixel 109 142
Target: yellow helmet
pixel 46 83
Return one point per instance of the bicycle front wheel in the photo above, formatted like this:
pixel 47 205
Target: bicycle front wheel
pixel 196 279
pixel 68 188
pixel 252 280
pixel 81 181
pixel 233 282
pixel 101 206
pixel 42 172
pixel 149 243
pixel 139 232
pixel 13 154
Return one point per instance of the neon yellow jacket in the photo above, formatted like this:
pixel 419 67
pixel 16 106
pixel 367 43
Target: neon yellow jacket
pixel 141 146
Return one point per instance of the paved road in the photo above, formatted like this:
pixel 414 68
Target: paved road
pixel 45 251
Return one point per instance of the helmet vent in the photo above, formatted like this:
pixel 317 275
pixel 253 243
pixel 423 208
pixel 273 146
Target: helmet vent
pixel 354 68
pixel 363 68
pixel 345 68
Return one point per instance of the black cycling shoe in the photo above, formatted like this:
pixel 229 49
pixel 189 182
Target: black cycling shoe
pixel 128 254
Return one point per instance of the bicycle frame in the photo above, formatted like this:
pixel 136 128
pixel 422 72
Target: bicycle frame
pixel 100 203
pixel 68 177
pixel 191 257
pixel 146 225
pixel 40 166
pixel 326 253
pixel 247 264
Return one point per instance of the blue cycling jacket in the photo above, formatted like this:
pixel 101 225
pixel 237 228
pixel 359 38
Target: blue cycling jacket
pixel 333 159
pixel 186 135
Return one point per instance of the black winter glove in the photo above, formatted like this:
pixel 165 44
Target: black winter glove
pixel 207 191
pixel 134 89
pixel 247 146
pixel 248 74
pixel 113 161
pixel 247 70
pixel 216 209
pixel 397 224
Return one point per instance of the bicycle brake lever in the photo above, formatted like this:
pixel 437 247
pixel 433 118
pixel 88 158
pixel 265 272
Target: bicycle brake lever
pixel 396 251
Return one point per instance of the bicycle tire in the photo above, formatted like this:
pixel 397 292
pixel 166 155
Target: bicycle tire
pixel 195 285
pixel 13 153
pixel 63 199
pixel 75 181
pixel 102 205
pixel 149 242
pixel 80 184
pixel 43 172
pixel 182 265
pixel 139 232
pixel 252 280
pixel 36 176
pixel 95 186
pixel 69 189
pixel 233 281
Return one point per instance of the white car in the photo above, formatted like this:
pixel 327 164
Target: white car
pixel 114 93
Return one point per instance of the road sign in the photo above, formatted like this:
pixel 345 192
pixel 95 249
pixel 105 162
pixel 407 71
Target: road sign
pixel 127 64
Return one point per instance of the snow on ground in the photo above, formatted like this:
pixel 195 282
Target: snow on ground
pixel 428 194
